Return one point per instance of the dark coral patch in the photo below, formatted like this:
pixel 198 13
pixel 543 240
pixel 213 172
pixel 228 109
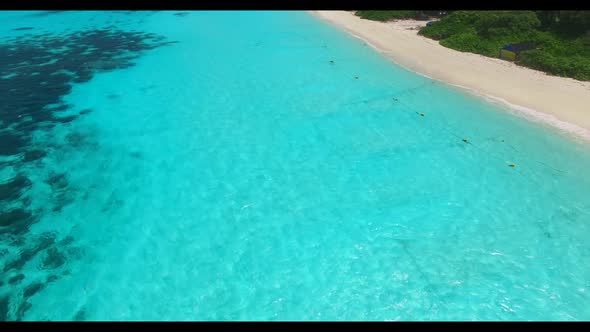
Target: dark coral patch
pixel 57 181
pixel 35 78
pixel 80 315
pixel 34 155
pixel 16 279
pixel 61 193
pixel 67 240
pixel 65 119
pixel 52 278
pixel 22 309
pixel 45 241
pixel 33 289
pixel 53 259
pixel 36 72
pixel 10 144
pixel 15 221
pixel 4 306
pixel 13 189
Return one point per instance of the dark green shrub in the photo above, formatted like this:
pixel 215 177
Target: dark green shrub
pixel 385 15
pixel 503 23
pixel 486 33
pixel 562 38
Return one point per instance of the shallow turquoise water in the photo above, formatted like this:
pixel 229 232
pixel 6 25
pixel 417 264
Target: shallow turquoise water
pixel 237 174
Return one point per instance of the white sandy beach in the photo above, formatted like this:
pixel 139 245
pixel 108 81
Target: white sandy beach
pixel 561 102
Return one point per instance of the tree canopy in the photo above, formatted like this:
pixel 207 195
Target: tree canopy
pixel 562 38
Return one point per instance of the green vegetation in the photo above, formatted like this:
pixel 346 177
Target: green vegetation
pixel 562 38
pixel 388 15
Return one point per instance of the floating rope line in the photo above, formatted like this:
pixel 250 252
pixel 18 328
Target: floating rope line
pixel 451 132
pixel 486 152
pixel 364 101
pixel 553 168
pixel 388 96
pixel 494 139
pixel 512 165
pixel 395 97
pixel 467 141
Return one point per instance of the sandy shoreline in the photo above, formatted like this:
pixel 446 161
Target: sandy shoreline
pixel 557 101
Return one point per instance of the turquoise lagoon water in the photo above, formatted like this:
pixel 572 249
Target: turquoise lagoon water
pixel 237 174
